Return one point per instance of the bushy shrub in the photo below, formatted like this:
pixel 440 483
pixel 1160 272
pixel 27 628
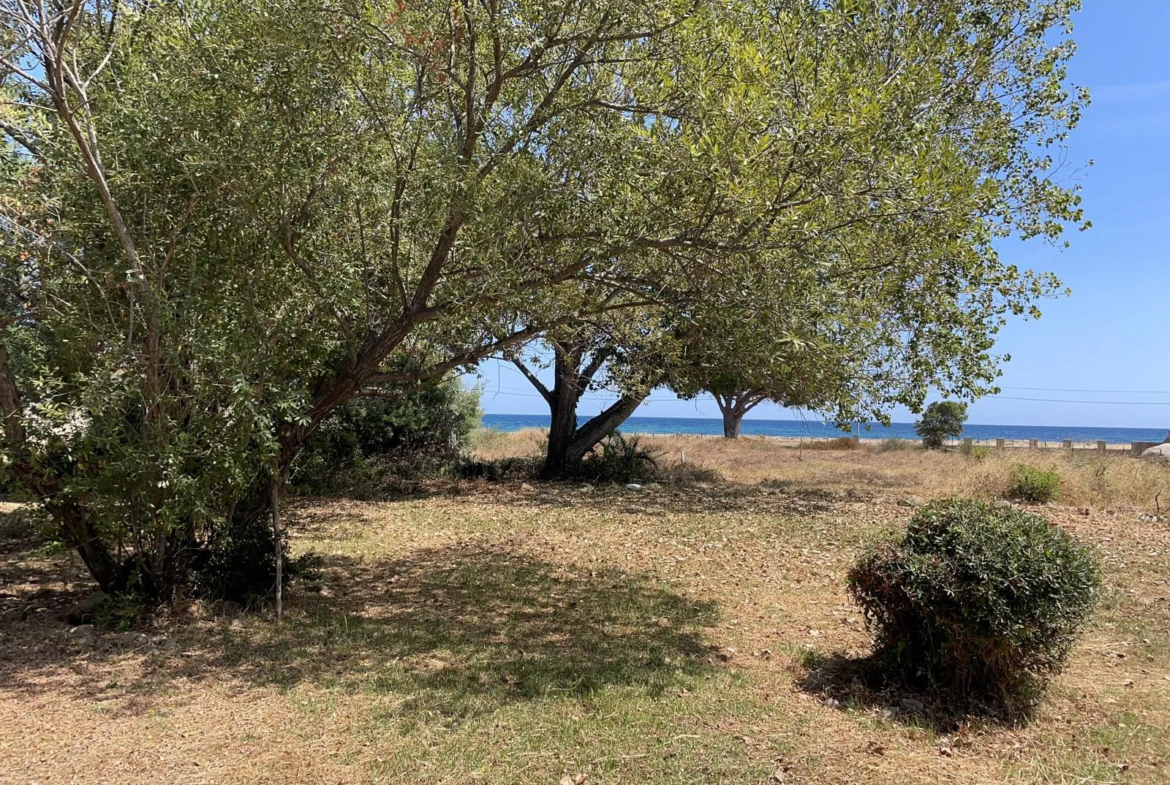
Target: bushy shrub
pixel 1034 485
pixel 619 459
pixel 500 470
pixel 942 420
pixel 120 612
pixel 368 441
pixel 241 565
pixel 979 601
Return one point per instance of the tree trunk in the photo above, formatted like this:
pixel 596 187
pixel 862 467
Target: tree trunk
pixel 574 370
pixel 595 430
pixel 279 540
pixel 561 435
pixel 734 407
pixel 562 402
pixel 732 422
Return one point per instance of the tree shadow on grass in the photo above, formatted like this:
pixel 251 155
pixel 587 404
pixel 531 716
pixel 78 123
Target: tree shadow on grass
pixel 715 496
pixel 864 682
pixel 448 632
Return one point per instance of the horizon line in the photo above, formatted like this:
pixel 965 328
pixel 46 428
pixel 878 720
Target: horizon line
pixel 875 423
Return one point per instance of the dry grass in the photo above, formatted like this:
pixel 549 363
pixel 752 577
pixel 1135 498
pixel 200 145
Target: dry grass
pixel 515 633
pixel 1111 480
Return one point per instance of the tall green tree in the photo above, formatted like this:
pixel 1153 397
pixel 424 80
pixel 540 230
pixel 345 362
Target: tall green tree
pixel 942 420
pixel 227 219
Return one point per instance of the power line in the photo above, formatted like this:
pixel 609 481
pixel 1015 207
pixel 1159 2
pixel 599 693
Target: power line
pixel 1102 403
pixel 1108 392
pixel 601 397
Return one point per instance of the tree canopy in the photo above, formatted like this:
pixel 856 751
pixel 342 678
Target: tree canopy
pixel 223 220
pixel 942 420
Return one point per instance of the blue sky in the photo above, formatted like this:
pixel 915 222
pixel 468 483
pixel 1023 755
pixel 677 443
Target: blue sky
pixel 1112 334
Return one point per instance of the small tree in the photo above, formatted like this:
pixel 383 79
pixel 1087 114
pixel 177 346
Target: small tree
pixel 941 421
pixel 622 356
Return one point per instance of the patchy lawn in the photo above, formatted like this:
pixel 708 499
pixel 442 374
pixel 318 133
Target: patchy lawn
pixel 525 634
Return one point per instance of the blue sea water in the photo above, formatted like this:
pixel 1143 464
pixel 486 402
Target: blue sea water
pixel 816 429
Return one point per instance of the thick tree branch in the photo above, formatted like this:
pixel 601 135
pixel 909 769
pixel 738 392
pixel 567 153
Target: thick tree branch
pixel 533 380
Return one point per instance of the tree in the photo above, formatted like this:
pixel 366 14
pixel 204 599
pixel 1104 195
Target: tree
pixel 942 420
pixel 230 219
pixel 622 355
pixel 793 369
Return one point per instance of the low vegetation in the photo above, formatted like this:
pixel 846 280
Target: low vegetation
pixel 368 444
pixel 1088 479
pixel 978 603
pixel 1034 485
pixel 838 443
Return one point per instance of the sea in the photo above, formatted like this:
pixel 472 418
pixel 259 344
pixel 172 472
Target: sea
pixel 700 426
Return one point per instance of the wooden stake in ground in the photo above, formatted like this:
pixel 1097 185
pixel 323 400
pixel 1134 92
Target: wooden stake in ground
pixel 276 536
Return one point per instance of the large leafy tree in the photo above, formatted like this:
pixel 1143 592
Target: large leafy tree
pixel 226 219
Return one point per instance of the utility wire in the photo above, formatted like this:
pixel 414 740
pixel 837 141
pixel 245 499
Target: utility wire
pixel 1103 403
pixel 601 397
pixel 1110 392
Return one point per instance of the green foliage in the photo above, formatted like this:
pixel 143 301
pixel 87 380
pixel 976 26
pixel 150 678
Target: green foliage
pixel 977 601
pixel 619 459
pixel 942 420
pixel 1034 485
pixel 119 612
pixel 240 565
pixel 501 470
pixel 217 230
pixel 409 436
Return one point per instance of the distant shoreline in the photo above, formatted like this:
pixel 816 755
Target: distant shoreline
pixel 1020 435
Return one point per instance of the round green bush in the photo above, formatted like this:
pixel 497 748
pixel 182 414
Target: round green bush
pixel 978 601
pixel 1034 485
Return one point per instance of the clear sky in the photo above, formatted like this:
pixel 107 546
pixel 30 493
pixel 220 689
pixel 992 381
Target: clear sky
pixel 1112 335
